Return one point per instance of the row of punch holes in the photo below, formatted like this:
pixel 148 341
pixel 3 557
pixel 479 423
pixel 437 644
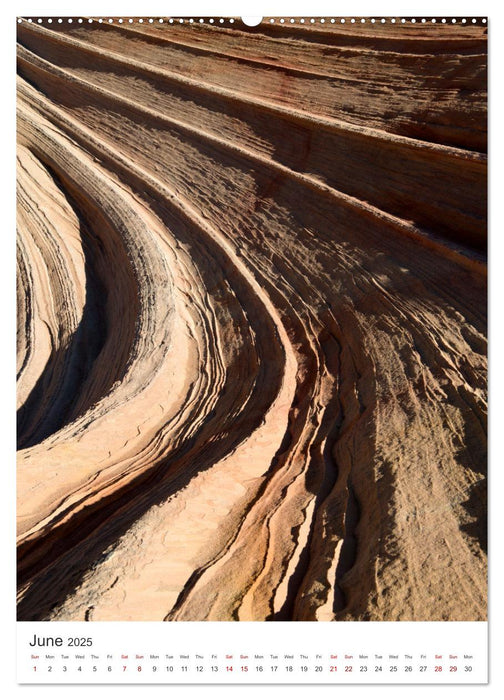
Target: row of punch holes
pixel 272 20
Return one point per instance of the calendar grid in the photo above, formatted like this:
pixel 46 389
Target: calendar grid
pixel 195 652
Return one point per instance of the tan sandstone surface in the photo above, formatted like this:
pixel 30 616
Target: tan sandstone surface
pixel 251 322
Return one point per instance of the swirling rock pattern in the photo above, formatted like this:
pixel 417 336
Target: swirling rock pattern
pixel 251 322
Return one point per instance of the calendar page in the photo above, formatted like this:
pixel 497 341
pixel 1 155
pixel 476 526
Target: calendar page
pixel 251 347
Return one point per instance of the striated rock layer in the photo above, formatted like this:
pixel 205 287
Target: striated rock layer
pixel 251 322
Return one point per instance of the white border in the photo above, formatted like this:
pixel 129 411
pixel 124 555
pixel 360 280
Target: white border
pixel 275 8
pixel 246 8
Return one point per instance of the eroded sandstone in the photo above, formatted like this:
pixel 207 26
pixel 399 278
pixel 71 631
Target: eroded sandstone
pixel 251 322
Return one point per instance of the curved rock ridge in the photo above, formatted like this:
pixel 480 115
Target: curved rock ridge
pixel 251 322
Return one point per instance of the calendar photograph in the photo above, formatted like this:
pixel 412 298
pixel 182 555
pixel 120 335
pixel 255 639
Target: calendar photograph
pixel 251 319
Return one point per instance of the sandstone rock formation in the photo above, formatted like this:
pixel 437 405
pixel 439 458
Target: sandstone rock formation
pixel 251 322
